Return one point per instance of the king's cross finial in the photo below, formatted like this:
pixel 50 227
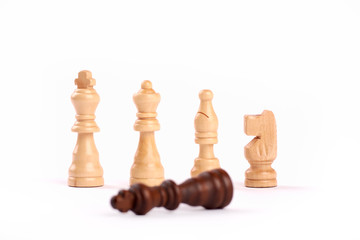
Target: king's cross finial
pixel 85 80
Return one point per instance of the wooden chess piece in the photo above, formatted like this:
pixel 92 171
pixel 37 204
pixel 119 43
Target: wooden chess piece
pixel 147 168
pixel 85 170
pixel 261 151
pixel 206 125
pixel 212 190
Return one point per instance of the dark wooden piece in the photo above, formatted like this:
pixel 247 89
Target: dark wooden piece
pixel 212 190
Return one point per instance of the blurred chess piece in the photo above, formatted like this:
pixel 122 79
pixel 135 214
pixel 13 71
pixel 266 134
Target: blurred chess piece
pixel 85 170
pixel 206 125
pixel 212 190
pixel 261 151
pixel 147 168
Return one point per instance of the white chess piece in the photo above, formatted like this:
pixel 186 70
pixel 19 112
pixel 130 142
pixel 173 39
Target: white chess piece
pixel 262 150
pixel 206 125
pixel 85 170
pixel 147 168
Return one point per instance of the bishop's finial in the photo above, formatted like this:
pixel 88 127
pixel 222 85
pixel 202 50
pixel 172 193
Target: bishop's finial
pixel 85 80
pixel 206 95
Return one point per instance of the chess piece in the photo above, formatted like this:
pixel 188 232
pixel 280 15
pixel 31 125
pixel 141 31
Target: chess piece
pixel 85 170
pixel 261 151
pixel 206 125
pixel 212 190
pixel 147 168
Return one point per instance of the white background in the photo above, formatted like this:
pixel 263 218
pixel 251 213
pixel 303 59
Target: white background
pixel 299 59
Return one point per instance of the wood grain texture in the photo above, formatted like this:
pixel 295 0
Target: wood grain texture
pixel 85 170
pixel 206 125
pixel 212 190
pixel 147 168
pixel 261 151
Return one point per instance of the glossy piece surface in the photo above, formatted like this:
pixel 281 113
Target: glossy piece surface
pixel 212 190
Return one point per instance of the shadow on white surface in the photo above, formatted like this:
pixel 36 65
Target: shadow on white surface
pixel 182 211
pixel 58 181
pixel 121 185
pixel 118 186
pixel 241 186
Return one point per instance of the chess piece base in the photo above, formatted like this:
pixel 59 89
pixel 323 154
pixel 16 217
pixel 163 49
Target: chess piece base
pixel 260 176
pixel 147 181
pixel 85 181
pixel 260 183
pixel 203 165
